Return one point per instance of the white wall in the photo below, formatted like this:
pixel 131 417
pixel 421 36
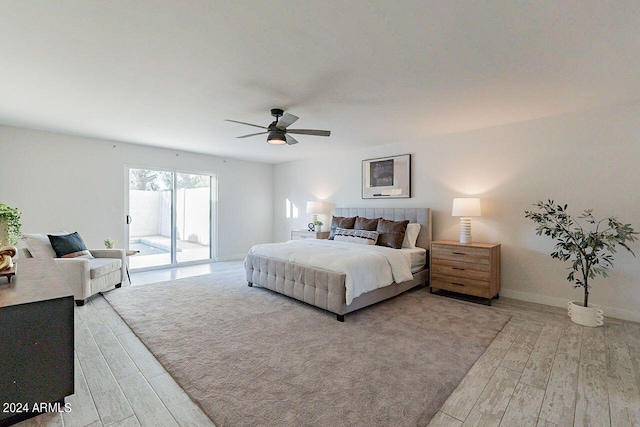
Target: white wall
pixel 79 184
pixel 587 160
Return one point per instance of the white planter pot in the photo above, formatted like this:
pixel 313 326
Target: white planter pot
pixel 3 232
pixel 586 316
pixel 318 228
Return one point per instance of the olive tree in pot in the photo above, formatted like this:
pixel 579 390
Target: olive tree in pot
pixel 589 248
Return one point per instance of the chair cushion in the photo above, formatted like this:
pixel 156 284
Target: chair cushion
pixel 39 245
pixel 99 267
pixel 69 246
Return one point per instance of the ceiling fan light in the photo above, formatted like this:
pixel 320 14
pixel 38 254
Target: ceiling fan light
pixel 276 137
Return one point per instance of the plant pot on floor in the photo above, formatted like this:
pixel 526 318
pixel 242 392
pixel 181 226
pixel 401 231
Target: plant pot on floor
pixel 586 316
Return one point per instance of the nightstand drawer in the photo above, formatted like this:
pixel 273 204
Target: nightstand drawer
pixel 461 253
pixel 479 288
pixel 462 269
pixel 466 268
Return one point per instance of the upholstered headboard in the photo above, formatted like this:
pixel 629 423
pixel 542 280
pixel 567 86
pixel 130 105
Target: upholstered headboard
pixel 421 216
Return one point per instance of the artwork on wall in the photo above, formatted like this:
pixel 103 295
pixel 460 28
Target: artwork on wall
pixel 387 177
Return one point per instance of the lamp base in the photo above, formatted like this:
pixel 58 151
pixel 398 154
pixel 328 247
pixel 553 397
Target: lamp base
pixel 465 230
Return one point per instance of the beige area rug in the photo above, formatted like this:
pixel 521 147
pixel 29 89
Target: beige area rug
pixel 251 357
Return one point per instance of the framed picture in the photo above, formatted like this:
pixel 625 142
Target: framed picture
pixel 387 177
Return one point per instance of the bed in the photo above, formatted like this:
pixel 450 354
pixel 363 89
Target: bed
pixel 326 288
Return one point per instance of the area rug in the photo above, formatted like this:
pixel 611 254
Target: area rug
pixel 251 357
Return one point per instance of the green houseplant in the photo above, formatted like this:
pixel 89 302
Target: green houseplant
pixel 9 225
pixel 590 247
pixel 109 243
pixel 317 225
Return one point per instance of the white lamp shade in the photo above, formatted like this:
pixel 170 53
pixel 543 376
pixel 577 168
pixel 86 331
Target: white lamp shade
pixel 466 207
pixel 315 207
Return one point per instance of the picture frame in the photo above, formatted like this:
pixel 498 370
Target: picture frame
pixel 387 177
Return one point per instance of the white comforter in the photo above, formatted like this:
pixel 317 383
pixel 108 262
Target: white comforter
pixel 366 267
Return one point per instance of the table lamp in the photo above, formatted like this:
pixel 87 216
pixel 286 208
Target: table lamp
pixel 314 208
pixel 465 208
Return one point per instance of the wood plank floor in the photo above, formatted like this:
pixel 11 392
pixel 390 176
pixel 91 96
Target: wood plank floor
pixel 541 370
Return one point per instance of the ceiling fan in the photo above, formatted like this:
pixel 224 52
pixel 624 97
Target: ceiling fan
pixel 277 130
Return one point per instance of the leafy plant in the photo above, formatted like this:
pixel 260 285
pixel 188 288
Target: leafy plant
pixel 11 216
pixel 318 223
pixel 109 243
pixel 589 251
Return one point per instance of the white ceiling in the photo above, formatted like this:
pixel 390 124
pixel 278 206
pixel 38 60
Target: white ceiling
pixel 166 73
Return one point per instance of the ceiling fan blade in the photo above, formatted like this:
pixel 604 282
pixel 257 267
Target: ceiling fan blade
pixel 251 134
pixel 244 123
pixel 286 120
pixel 290 140
pixel 310 132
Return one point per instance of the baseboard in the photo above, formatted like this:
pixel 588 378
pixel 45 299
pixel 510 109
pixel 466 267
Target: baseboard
pixel 231 258
pixel 618 313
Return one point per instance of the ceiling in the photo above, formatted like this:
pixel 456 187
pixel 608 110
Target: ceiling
pixel 167 73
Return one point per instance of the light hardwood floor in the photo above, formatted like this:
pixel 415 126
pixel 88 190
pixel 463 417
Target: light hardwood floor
pixel 541 370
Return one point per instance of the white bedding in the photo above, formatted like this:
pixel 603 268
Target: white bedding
pixel 366 267
pixel 418 258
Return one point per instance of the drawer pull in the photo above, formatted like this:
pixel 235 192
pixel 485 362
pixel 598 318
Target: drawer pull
pixel 457 284
pixel 458 253
pixel 458 268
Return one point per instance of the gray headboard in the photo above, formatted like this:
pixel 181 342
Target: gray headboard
pixel 421 216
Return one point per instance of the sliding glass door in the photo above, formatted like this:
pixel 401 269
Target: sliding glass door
pixel 170 217
pixel 193 217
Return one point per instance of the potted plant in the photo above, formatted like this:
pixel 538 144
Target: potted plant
pixel 317 226
pixel 109 243
pixel 9 225
pixel 589 248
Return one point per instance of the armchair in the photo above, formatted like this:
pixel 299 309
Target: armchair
pixel 85 276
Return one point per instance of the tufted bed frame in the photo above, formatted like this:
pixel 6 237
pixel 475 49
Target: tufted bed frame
pixel 326 289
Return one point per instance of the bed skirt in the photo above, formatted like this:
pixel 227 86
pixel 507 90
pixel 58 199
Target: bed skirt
pixel 318 287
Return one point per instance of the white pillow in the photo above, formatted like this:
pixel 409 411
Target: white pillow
pixel 411 235
pixel 362 237
pixel 39 245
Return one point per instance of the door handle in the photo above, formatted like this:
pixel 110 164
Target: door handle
pixel 128 219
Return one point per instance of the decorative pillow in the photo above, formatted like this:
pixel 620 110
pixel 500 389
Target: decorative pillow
pixel 69 246
pixel 341 222
pixel 366 224
pixel 391 233
pixel 39 245
pixel 362 237
pixel 411 235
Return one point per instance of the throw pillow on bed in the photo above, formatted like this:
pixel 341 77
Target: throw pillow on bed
pixel 341 222
pixel 391 233
pixel 366 224
pixel 362 237
pixel 411 235
pixel 69 246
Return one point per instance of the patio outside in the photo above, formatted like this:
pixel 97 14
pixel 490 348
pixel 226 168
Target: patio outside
pixel 150 199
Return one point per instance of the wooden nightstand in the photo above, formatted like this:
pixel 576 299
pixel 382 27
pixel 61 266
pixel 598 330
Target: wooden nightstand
pixel 470 269
pixel 305 234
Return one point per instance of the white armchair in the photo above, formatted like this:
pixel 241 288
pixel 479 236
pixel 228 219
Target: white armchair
pixel 85 277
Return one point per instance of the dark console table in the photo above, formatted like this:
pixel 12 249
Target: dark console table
pixel 36 342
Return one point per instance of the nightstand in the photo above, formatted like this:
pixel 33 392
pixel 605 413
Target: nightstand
pixel 466 268
pixel 305 234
